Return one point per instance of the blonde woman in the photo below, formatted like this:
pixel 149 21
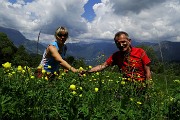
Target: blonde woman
pixel 54 54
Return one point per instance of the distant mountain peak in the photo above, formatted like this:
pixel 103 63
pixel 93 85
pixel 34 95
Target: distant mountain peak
pixel 18 39
pixel 90 51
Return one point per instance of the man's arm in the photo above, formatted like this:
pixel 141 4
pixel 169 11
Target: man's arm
pixel 147 71
pixel 99 67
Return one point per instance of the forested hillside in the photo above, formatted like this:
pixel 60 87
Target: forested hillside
pixel 18 39
pixel 16 55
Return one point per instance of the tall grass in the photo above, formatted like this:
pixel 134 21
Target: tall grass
pixel 104 95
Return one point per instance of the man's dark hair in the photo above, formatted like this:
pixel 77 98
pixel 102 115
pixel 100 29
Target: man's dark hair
pixel 121 33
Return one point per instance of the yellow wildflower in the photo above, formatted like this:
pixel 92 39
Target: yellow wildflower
pixel 19 68
pixel 23 71
pixel 27 68
pixel 81 69
pixel 48 73
pixel 90 67
pixel 55 73
pixel 80 95
pixel 43 71
pixel 62 74
pixel 97 73
pixel 13 72
pixel 131 99
pixel 46 78
pixel 80 88
pixel 49 66
pixel 73 92
pixel 72 87
pixel 139 103
pixel 32 77
pixel 6 65
pixel 39 67
pixel 171 99
pixel 96 89
pixel 123 78
pixel 123 82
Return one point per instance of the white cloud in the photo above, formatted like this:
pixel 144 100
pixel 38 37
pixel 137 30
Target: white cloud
pixel 44 15
pixel 144 20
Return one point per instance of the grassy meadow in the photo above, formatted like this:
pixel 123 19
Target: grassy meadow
pixel 102 95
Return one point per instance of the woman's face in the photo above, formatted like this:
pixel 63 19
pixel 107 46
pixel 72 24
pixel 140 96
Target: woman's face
pixel 61 37
pixel 123 43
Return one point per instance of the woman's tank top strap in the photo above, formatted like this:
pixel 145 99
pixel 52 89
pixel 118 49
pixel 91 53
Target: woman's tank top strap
pixel 55 44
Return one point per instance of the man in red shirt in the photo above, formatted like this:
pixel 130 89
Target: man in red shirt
pixel 133 62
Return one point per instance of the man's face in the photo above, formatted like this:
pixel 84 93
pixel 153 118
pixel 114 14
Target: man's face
pixel 123 43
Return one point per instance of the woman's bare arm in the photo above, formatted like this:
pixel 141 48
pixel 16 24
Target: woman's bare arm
pixel 54 53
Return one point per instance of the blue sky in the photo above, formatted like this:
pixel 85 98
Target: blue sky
pixel 94 20
pixel 14 1
pixel 89 12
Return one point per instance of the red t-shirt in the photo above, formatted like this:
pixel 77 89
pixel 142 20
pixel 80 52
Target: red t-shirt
pixel 132 64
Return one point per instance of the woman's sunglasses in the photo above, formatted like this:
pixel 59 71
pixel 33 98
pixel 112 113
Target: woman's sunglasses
pixel 62 35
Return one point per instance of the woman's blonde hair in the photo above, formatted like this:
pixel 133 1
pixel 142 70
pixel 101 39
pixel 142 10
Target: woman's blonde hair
pixel 59 30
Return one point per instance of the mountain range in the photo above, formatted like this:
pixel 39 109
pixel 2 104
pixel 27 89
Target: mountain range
pixel 18 39
pixel 94 52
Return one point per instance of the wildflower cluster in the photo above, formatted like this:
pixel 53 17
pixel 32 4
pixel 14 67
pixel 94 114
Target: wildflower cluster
pixel 69 96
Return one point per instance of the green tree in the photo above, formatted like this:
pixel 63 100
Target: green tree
pixel 17 56
pixel 21 57
pixel 7 49
pixel 34 60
